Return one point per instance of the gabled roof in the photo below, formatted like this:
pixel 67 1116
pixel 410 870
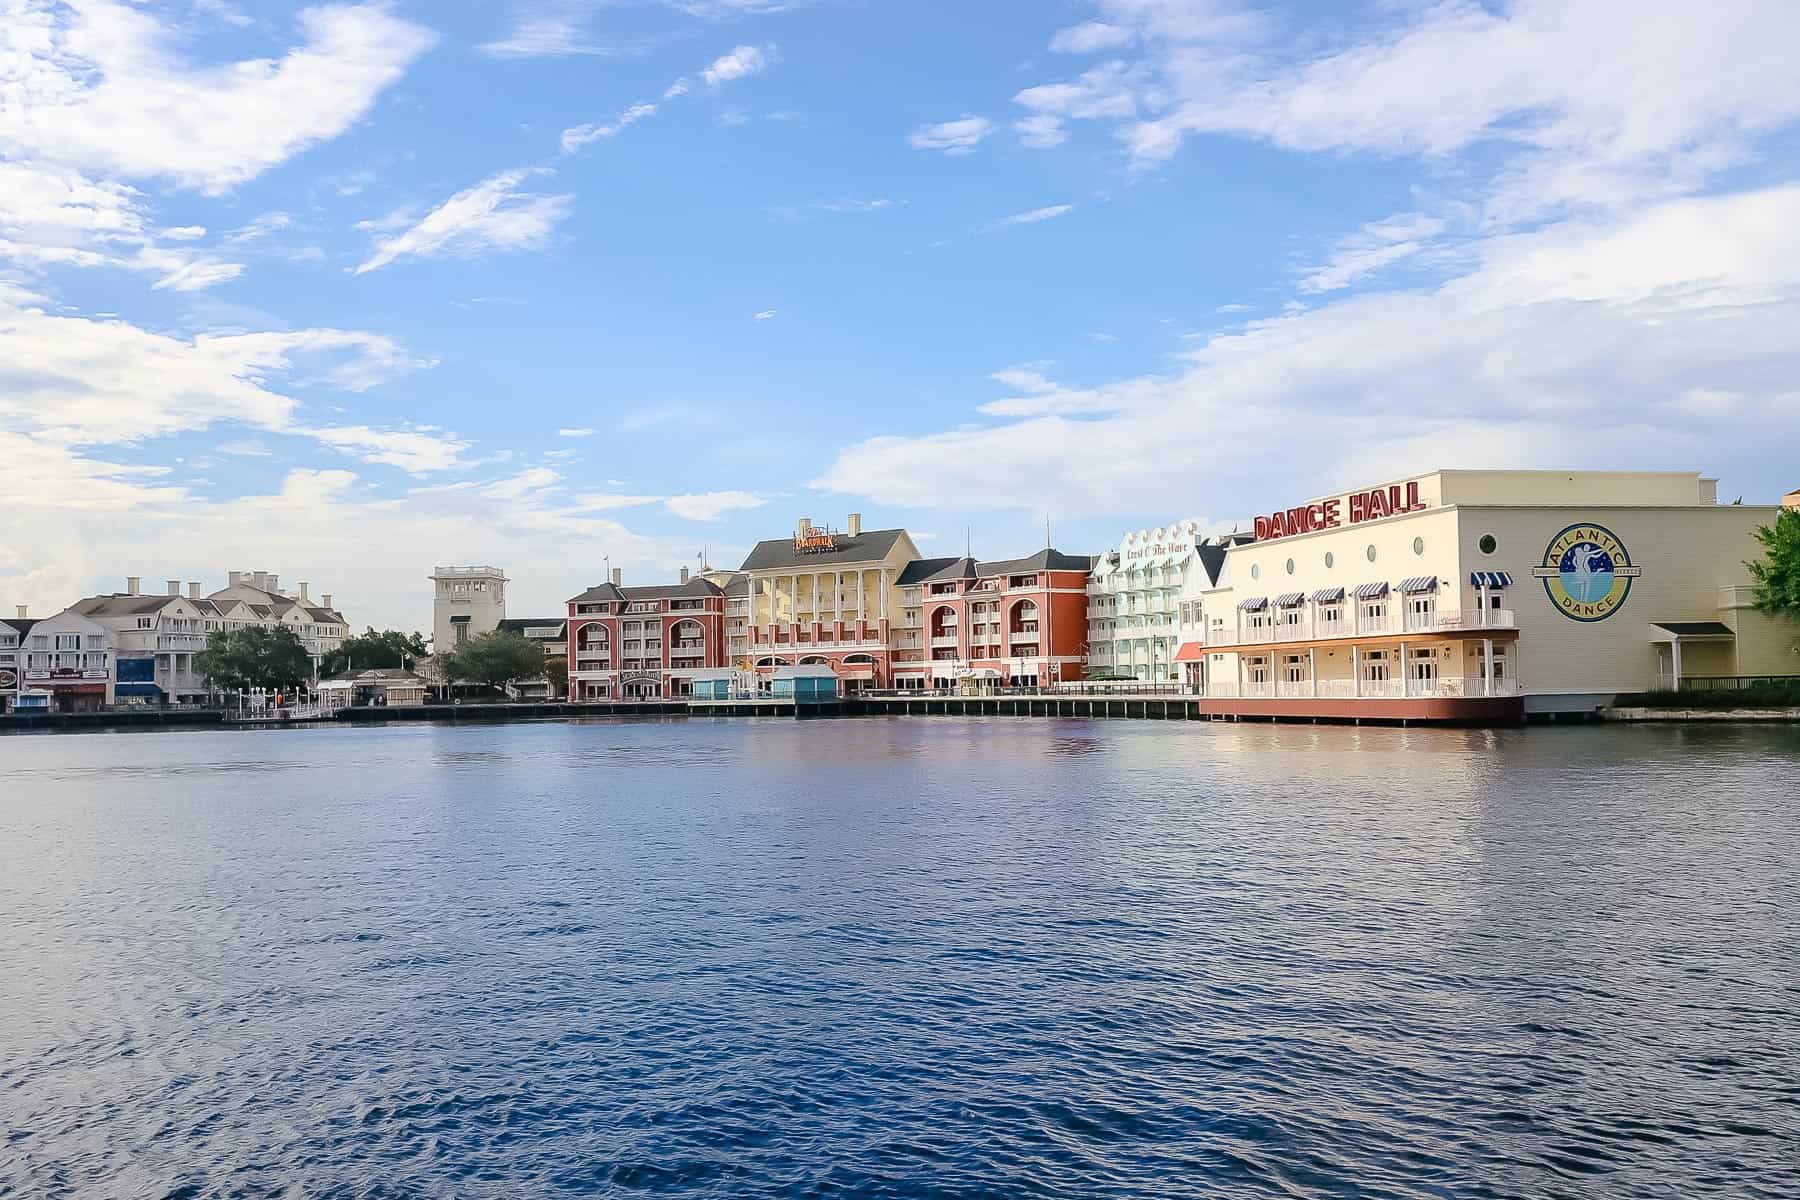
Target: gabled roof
pixel 22 624
pixel 694 589
pixel 936 570
pixel 872 545
pixel 1044 560
pixel 738 585
pixel 120 604
pixel 1212 560
pixel 325 616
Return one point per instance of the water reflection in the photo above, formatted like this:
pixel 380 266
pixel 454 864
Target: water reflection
pixel 901 958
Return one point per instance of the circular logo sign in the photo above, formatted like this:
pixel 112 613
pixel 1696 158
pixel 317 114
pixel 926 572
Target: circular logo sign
pixel 1587 572
pixel 9 679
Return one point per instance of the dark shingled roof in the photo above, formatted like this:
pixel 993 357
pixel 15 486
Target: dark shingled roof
pixel 934 570
pixel 1212 560
pixel 122 605
pixel 694 589
pixel 738 585
pixel 1696 628
pixel 519 625
pixel 871 545
pixel 326 616
pixel 1043 560
pixel 22 624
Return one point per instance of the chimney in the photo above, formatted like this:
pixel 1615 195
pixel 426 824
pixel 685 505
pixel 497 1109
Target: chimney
pixel 260 580
pixel 273 585
pixel 132 583
pixel 193 590
pixel 618 576
pixel 805 526
pixel 237 577
pixel 303 598
pixel 174 587
pixel 855 524
pixel 22 610
pixel 325 600
pixel 684 574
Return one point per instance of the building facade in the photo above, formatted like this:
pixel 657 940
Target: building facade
pixel 1013 623
pixel 823 598
pixel 551 633
pixel 644 643
pixel 468 602
pixel 1137 594
pixel 1485 595
pixel 70 657
pixel 14 633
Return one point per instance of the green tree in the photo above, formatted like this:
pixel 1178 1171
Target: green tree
pixel 255 658
pixel 493 660
pixel 556 670
pixel 1777 576
pixel 371 651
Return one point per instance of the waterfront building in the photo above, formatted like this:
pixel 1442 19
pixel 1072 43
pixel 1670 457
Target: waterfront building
pixel 1136 593
pixel 1791 500
pixel 552 633
pixel 644 643
pixel 13 635
pixel 255 598
pixel 155 639
pixel 69 656
pixel 737 620
pixel 378 687
pixel 1486 595
pixel 468 602
pixel 824 598
pixel 1013 623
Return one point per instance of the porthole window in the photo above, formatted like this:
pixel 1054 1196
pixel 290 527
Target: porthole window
pixel 1418 545
pixel 1256 571
pixel 1371 552
pixel 1488 543
pixel 1290 566
pixel 1330 560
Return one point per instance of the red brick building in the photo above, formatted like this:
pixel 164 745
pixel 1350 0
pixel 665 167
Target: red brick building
pixel 1013 623
pixel 644 643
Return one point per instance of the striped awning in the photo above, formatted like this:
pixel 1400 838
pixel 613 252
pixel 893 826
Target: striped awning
pixel 1328 595
pixel 1370 591
pixel 1290 600
pixel 1419 583
pixel 1490 579
pixel 1254 604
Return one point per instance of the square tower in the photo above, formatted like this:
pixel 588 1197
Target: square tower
pixel 469 602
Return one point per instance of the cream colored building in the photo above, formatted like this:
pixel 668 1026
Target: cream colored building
pixel 1472 594
pixel 466 603
pixel 826 598
pixel 1138 595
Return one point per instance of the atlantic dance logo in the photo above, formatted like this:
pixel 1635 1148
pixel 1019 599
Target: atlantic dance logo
pixel 1587 572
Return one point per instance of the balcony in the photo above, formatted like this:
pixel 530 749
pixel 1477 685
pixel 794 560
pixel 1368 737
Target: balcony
pixel 1441 687
pixel 1306 627
pixel 945 643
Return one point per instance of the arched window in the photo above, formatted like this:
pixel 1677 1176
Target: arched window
pixel 1024 618
pixel 687 638
pixel 943 622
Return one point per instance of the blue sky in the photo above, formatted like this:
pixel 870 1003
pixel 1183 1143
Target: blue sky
pixel 346 291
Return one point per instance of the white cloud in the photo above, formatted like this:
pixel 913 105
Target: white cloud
pixel 710 506
pixel 415 451
pixel 1091 36
pixel 101 85
pixel 575 433
pixel 1041 131
pixel 960 136
pixel 1663 339
pixel 493 215
pixel 579 136
pixel 739 63
pixel 1026 377
pixel 1374 246
pixel 676 89
pixel 603 501
pixel 1033 217
pixel 185 233
pixel 767 314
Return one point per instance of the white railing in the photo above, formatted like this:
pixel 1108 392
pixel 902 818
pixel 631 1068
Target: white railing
pixel 944 643
pixel 1448 687
pixel 1307 628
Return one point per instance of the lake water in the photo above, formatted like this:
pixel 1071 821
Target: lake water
pixel 928 957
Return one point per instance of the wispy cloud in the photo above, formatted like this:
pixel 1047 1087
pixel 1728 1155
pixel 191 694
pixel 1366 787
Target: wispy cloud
pixel 739 63
pixel 767 314
pixel 575 138
pixel 495 214
pixel 582 432
pixel 960 136
pixel 1034 217
pixel 710 506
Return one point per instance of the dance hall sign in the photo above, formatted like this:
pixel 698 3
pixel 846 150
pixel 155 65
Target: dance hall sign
pixel 1352 508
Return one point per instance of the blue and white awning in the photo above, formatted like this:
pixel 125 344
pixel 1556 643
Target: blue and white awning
pixel 1419 583
pixel 1371 591
pixel 1254 604
pixel 1290 600
pixel 1328 595
pixel 1490 579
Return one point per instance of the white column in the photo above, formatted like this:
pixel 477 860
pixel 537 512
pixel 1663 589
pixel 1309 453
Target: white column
pixel 882 583
pixel 1487 661
pixel 1483 601
pixel 1405 672
pixel 1312 669
pixel 1356 671
pixel 1675 658
pixel 862 613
